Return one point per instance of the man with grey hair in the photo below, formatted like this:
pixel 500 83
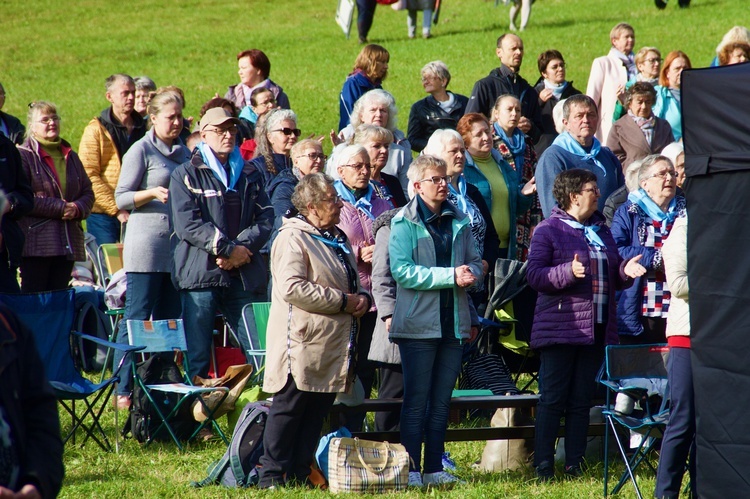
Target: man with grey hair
pixel 506 80
pixel 10 126
pixel 105 141
pixel 220 218
pixel 577 147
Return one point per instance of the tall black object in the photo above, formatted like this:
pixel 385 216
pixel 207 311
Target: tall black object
pixel 716 126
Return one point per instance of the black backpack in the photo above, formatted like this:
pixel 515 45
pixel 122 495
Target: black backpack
pixel 87 355
pixel 143 419
pixel 238 467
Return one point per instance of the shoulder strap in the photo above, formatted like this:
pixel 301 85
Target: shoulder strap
pixel 235 461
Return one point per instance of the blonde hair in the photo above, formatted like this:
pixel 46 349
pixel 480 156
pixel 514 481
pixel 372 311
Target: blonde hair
pixel 35 109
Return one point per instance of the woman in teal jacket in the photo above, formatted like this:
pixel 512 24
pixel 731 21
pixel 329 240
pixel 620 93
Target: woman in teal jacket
pixel 668 104
pixel 506 196
pixel 433 261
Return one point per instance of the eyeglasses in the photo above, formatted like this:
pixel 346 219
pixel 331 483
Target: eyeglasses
pixel 665 175
pixel 359 166
pixel 653 60
pixel 334 200
pixel 595 190
pixel 222 132
pixel 49 119
pixel 289 131
pixel 313 156
pixel 267 103
pixel 437 180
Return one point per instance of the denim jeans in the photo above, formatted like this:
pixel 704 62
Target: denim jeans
pixel 150 295
pixel 365 15
pixel 431 368
pixel 199 308
pixel 567 381
pixel 411 21
pixel 679 439
pixel 104 228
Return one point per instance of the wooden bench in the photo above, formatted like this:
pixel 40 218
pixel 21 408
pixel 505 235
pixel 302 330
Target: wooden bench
pixel 462 403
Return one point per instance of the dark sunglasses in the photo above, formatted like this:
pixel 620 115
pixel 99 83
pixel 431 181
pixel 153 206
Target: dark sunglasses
pixel 289 131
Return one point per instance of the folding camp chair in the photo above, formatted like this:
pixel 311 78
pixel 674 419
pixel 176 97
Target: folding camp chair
pixel 511 304
pixel 50 316
pixel 169 336
pixel 255 317
pixel 639 372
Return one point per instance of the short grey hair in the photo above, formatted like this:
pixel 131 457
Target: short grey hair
pixel 649 161
pixel 423 163
pixel 311 189
pixel 439 69
pixel 116 78
pixel 144 83
pixel 343 156
pixel 276 116
pixel 581 100
pixel 366 133
pixel 375 96
pixel 439 140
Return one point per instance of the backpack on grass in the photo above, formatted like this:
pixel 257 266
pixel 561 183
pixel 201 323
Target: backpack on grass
pixel 238 467
pixel 89 319
pixel 143 420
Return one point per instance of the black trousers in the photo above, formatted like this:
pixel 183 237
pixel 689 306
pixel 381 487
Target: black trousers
pixel 45 273
pixel 292 433
pixel 365 367
pixel 391 387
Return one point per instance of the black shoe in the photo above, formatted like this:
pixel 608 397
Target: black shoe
pixel 684 4
pixel 574 471
pixel 661 4
pixel 545 472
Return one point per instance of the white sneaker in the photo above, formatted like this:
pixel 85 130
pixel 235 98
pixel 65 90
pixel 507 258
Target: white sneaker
pixel 440 478
pixel 415 479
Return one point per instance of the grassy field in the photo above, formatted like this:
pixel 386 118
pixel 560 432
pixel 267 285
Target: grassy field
pixel 62 51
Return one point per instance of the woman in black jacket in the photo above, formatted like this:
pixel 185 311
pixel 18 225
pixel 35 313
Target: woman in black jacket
pixel 552 88
pixel 440 109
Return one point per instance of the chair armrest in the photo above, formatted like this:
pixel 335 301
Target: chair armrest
pixel 117 346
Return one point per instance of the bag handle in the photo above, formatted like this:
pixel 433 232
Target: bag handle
pixel 370 467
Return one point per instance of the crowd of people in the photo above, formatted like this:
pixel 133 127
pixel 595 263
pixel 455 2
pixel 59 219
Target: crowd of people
pixel 375 259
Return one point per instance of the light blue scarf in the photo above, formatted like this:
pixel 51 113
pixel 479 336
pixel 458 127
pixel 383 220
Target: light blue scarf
pixel 364 203
pixel 640 197
pixel 557 90
pixel 248 114
pixel 589 232
pixel 567 142
pixel 334 244
pixel 236 163
pixel 516 144
pixel 461 203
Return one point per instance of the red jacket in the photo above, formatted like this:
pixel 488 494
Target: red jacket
pixel 47 234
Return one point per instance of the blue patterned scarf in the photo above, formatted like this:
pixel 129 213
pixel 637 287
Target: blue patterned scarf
pixel 516 144
pixel 461 203
pixel 641 198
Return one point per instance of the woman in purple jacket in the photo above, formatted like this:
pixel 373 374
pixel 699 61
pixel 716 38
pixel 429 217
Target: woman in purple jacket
pixel 575 267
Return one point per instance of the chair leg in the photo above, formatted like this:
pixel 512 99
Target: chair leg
pixel 629 470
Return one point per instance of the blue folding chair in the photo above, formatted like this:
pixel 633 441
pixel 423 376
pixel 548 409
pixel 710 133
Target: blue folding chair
pixel 626 371
pixel 169 336
pixel 50 316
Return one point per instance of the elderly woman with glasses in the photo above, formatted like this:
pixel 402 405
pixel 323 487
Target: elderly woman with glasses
pixel 377 141
pixel 275 135
pixel 62 198
pixel 316 304
pixel 441 109
pixel 433 261
pixel 575 267
pixel 648 62
pixel 640 227
pixel 639 133
pixel 361 208
pixel 378 107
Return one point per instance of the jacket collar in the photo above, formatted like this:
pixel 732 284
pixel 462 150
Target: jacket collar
pixel 595 219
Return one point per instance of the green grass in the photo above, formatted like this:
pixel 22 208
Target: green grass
pixel 61 51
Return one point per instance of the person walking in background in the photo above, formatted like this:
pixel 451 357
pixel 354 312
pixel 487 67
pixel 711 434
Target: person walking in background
pixel 609 75
pixel 63 197
pixel 522 7
pixel 105 141
pixel 412 7
pixel 370 69
pixel 365 16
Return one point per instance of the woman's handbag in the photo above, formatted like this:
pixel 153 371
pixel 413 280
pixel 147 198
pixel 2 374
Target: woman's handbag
pixel 356 465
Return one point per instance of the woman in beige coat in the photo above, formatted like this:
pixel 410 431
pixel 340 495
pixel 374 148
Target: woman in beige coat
pixel 316 304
